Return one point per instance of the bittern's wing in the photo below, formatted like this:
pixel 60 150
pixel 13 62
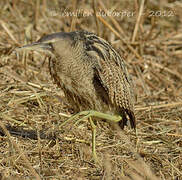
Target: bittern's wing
pixel 111 71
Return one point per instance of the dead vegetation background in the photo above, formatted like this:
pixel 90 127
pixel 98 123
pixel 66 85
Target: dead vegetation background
pixel 148 34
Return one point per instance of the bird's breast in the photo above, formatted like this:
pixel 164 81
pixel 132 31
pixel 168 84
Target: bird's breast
pixel 72 74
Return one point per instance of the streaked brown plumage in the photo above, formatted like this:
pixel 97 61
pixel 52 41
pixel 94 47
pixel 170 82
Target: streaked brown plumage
pixel 91 73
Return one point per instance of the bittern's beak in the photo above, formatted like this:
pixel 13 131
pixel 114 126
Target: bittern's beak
pixel 37 46
pixel 49 43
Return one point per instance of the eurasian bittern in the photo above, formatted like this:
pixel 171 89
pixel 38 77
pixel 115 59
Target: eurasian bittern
pixel 92 75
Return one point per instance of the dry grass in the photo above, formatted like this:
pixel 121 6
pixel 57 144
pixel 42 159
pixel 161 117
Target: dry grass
pixel 151 42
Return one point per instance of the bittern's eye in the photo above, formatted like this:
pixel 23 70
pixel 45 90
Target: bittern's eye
pixel 50 47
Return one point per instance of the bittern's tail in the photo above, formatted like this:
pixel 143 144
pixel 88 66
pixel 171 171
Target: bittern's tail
pixel 127 115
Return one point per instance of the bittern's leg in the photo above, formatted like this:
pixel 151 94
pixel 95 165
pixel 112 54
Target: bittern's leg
pixel 93 126
pixel 88 115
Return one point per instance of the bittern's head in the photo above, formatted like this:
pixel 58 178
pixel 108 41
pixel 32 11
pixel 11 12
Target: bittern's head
pixel 61 43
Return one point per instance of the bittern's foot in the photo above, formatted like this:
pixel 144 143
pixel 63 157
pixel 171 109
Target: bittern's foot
pixel 92 113
pixel 89 115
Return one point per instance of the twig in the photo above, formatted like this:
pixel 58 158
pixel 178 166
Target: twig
pixel 138 20
pixel 159 106
pixel 24 157
pixel 3 24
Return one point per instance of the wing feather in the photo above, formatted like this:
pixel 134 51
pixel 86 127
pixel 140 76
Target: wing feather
pixel 112 72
